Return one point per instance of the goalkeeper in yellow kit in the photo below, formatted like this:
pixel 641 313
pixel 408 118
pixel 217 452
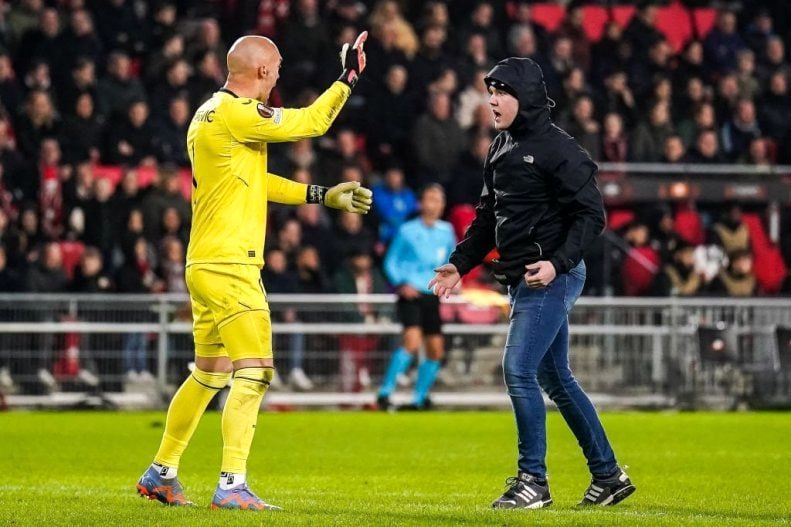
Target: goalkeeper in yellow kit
pixel 227 143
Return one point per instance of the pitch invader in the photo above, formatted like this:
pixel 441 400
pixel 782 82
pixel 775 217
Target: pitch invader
pixel 227 145
pixel 420 245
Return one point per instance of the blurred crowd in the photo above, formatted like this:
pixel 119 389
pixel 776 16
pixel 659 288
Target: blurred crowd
pixel 87 85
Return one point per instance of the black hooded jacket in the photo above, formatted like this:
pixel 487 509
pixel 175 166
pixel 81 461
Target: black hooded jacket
pixel 540 200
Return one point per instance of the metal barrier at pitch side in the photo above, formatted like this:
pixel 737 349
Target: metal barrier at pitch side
pixel 135 349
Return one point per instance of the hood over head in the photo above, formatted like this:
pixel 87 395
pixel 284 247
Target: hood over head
pixel 523 78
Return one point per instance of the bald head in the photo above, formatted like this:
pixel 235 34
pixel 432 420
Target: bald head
pixel 253 67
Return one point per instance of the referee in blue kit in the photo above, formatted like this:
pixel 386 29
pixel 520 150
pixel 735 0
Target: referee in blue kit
pixel 420 245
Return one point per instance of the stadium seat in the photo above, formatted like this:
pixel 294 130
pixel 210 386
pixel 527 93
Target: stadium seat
pixel 768 265
pixel 111 172
pixel 550 16
pixel 637 278
pixel 675 22
pixel 622 14
pixel 704 19
pixel 72 252
pixel 689 226
pixel 594 20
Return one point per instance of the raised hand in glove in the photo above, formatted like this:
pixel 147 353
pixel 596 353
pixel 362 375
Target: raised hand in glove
pixel 348 197
pixel 353 60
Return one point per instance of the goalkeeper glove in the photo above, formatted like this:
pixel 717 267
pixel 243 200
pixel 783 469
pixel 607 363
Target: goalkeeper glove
pixel 348 197
pixel 353 60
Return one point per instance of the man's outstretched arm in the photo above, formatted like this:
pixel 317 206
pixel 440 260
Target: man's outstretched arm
pixel 349 197
pixel 254 122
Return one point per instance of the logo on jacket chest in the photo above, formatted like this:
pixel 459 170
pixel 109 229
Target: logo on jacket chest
pixel 528 159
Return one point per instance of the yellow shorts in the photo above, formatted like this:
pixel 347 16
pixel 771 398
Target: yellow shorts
pixel 230 316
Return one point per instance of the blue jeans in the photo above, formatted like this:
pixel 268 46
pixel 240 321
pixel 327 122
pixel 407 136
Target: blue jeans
pixel 134 352
pixel 536 357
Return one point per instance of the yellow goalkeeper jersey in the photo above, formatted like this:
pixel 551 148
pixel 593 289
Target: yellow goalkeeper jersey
pixel 227 143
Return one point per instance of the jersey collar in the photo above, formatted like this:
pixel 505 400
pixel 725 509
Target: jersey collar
pixel 229 92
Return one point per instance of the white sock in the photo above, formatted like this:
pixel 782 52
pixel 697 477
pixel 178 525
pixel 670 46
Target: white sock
pixel 165 472
pixel 229 480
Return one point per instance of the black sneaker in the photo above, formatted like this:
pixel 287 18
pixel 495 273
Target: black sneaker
pixel 383 403
pixel 413 407
pixel 524 492
pixel 608 491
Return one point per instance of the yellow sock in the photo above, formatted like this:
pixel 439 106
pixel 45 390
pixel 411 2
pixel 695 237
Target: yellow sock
pixel 240 415
pixel 185 412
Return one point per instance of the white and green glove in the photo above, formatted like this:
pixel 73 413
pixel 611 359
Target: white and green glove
pixel 348 197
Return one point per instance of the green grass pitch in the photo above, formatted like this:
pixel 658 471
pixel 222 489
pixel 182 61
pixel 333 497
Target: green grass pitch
pixel 427 469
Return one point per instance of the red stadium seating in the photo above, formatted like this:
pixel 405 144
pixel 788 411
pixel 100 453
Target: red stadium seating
pixel 675 22
pixel 769 267
pixel 550 16
pixel 594 20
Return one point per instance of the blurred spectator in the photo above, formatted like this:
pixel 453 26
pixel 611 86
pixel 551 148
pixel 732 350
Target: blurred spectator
pixel 209 75
pixel 749 88
pixel 471 98
pixel 723 43
pixel 126 197
pixel 315 226
pixel 775 113
pixel 118 25
pixel 289 239
pixel 467 182
pixel 437 140
pixel 43 43
pixel 137 276
pixel 118 90
pixel 740 130
pixel 353 236
pixel 358 276
pixel 584 128
pixel 82 81
pixel 702 119
pixel 311 275
pixel 100 214
pixel 10 91
pixel 38 122
pixel 131 142
pixel 390 28
pixel 395 202
pixel 430 60
pixel 774 59
pixel 674 150
pixel 301 42
pixel 640 264
pixel 615 144
pixel 164 192
pixel 82 131
pixel 737 279
pixel 10 281
pixel 170 133
pixel 640 32
pixel 171 50
pixel 649 137
pixel 174 85
pixel 173 226
pixel 707 149
pixel 277 278
pixel 89 277
pixel 618 97
pixel 679 277
pixel 81 40
pixel 17 176
pixel 47 274
pixel 171 268
pixel 730 232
